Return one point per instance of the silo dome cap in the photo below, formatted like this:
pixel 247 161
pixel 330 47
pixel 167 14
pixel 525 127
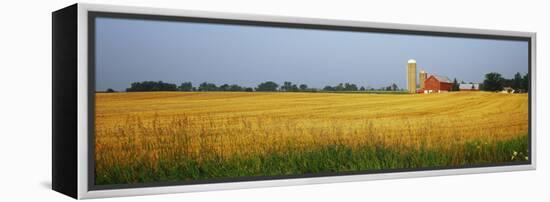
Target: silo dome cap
pixel 412 61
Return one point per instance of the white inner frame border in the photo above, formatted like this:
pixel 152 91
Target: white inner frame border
pixel 82 104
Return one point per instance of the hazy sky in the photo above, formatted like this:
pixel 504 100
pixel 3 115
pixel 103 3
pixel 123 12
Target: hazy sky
pixel 145 50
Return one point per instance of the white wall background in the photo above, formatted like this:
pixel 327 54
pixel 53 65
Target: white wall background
pixel 25 115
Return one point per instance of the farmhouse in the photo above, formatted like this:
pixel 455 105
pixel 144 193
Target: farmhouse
pixel 469 87
pixel 437 84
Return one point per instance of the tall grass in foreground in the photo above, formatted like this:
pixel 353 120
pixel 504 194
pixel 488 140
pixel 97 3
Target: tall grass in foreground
pixel 188 148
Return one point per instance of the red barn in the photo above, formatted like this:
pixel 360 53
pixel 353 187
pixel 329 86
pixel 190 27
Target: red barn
pixel 437 84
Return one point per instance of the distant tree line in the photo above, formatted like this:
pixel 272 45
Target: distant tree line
pixel 268 86
pixel 185 86
pixel 151 86
pixel 496 82
pixel 493 82
pixel 342 87
pixel 353 87
pixel 393 87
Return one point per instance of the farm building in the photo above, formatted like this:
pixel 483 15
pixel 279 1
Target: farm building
pixel 431 84
pixel 437 84
pixel 469 87
pixel 508 90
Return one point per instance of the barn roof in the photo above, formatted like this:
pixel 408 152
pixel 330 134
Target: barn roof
pixel 468 86
pixel 442 79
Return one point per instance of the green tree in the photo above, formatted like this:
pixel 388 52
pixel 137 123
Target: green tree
pixel 339 87
pixel 224 87
pixel 303 87
pixel 455 85
pixel 235 87
pixel 394 87
pixel 493 82
pixel 328 88
pixel 151 86
pixel 294 88
pixel 267 86
pixel 208 87
pixel 186 86
pixel 350 87
pixel 287 86
pixel 517 81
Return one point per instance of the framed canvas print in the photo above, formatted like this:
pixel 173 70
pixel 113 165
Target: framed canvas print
pixel 149 101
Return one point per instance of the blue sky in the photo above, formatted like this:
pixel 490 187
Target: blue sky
pixel 129 50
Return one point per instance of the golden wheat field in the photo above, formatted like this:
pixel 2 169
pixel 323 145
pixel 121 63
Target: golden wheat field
pixel 150 127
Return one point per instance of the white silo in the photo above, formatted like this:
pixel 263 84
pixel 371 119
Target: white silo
pixel 411 76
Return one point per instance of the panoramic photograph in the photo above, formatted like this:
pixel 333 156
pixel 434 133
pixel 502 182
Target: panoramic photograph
pixel 194 102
